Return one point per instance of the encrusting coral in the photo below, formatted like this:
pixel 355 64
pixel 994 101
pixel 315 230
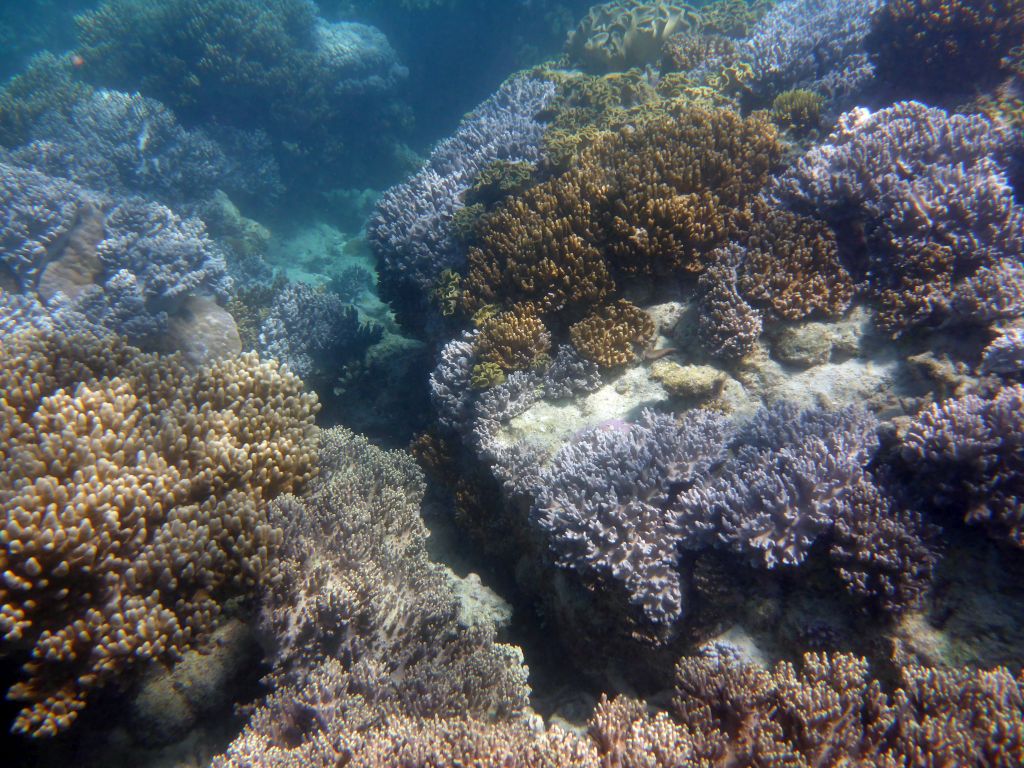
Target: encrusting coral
pixel 135 495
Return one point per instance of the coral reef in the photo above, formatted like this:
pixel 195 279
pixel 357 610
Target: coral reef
pixel 932 191
pixel 498 180
pixel 965 457
pixel 649 199
pixel 136 492
pixel 364 625
pixel 569 374
pixel 727 326
pixel 613 335
pixel 789 481
pixel 798 110
pixel 127 265
pixel 939 49
pixel 617 35
pixel 792 265
pixel 816 45
pixel 127 144
pixel 1005 354
pixel 276 66
pixel 315 333
pixel 411 230
pixel 513 340
pixel 605 503
pixel 47 85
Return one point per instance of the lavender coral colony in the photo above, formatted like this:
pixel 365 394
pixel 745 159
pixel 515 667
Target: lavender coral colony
pixel 717 315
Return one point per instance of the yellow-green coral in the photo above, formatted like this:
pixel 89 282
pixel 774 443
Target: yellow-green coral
pixel 621 34
pixel 487 374
pixel 498 180
pixel 798 111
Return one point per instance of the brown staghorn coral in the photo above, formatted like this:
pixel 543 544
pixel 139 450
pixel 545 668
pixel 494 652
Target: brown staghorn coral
pixel 654 197
pixel 792 264
pixel 513 340
pixel 538 248
pixel 627 33
pixel 613 335
pixel 367 630
pixel 134 492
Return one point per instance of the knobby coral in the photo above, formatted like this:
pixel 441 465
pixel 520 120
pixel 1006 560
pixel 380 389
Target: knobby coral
pixel 135 495
pixel 613 335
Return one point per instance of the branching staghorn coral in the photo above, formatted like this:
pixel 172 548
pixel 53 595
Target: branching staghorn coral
pixel 965 456
pixel 315 333
pixel 827 710
pixel 933 193
pixel 653 198
pixel 364 625
pixel 126 144
pixel 620 502
pixel 412 230
pixel 135 496
pixel 605 503
pixel 126 264
pixel 812 44
pixel 937 49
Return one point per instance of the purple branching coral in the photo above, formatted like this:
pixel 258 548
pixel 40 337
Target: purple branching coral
pixel 411 230
pixel 606 503
pixel 945 235
pixel 623 502
pixel 966 455
pixel 1005 355
pixel 314 332
pixel 812 44
pixel 362 624
pixel 727 326
pixel 127 144
pixel 124 264
pixel 788 482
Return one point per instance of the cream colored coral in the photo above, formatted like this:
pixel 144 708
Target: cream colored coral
pixel 134 494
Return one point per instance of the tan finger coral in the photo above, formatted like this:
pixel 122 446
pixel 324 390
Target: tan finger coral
pixel 134 493
pixel 613 335
pixel 513 340
pixel 792 265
